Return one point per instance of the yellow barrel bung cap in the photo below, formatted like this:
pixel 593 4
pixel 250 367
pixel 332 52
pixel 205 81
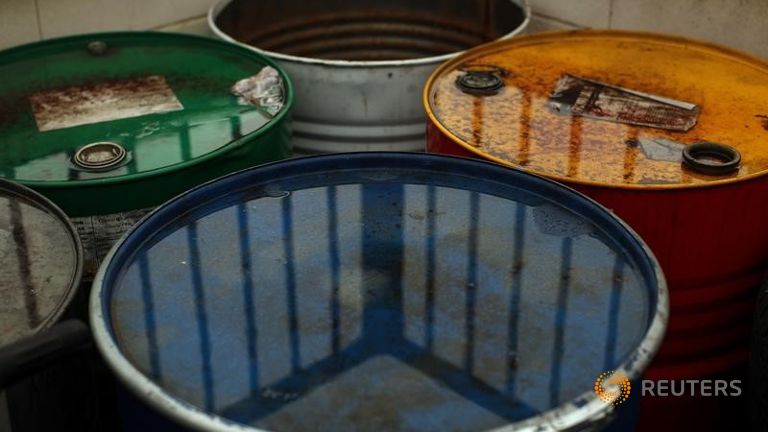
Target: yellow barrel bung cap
pixel 608 108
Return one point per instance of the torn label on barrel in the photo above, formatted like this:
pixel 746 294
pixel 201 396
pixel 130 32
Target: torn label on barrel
pixel 661 149
pixel 592 99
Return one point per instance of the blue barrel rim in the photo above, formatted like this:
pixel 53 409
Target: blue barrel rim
pixel 585 409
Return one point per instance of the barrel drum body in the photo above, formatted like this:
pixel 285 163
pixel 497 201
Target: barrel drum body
pixel 712 294
pixel 706 228
pixel 348 108
pixel 111 125
pixel 372 286
pixel 150 191
pixel 713 245
pixel 42 262
pixel 359 68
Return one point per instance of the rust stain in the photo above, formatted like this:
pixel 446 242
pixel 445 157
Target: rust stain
pixel 574 147
pixel 519 118
pixel 525 130
pixel 477 120
pixel 12 109
pixel 630 156
pixel 763 120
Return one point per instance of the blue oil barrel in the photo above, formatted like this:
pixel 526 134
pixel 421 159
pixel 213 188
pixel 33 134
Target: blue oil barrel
pixel 380 291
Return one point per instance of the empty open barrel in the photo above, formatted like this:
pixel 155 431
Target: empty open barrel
pixel 110 125
pixel 668 133
pixel 359 66
pixel 377 291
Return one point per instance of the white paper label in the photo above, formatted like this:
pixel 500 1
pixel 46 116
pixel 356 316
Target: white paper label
pixel 99 233
pixel 79 105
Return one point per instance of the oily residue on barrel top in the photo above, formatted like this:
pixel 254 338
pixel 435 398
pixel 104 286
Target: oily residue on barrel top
pixel 518 127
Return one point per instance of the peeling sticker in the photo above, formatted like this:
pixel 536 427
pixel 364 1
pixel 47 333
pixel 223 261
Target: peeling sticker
pixel 592 99
pixel 96 103
pixel 265 90
pixel 662 149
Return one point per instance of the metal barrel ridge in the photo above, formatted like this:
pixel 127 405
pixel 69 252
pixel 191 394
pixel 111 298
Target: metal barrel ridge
pixel 358 66
pixel 397 291
pixel 110 125
pixel 42 262
pixel 625 118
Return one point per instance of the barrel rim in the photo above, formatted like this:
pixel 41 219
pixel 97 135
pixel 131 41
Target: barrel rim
pixel 502 45
pixel 583 409
pixel 138 36
pixel 215 10
pixel 26 193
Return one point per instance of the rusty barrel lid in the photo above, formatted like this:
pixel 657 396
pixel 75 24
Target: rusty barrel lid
pixel 374 291
pixel 40 262
pixel 608 108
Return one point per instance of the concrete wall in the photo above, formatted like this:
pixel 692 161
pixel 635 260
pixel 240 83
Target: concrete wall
pixel 739 23
pixel 29 20
pixel 742 24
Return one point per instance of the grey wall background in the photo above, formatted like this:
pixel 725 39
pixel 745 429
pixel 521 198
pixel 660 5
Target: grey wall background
pixel 739 23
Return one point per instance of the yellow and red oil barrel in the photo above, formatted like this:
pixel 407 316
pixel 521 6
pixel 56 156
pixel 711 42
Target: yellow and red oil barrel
pixel 670 134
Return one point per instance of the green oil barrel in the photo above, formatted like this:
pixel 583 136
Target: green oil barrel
pixel 111 125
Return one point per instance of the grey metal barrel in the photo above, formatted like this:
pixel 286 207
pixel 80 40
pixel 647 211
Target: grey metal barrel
pixel 359 66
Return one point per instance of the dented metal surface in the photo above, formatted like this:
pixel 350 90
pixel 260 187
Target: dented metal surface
pixel 358 66
pixel 334 286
